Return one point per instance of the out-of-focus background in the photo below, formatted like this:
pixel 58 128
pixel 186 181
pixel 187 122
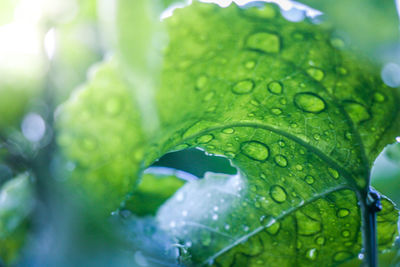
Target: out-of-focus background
pixel 47 48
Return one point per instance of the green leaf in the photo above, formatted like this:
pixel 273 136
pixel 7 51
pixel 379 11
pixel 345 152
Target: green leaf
pixel 301 119
pixel 104 144
pixel 16 203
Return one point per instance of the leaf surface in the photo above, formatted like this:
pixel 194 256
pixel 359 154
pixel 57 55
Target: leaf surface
pixel 300 118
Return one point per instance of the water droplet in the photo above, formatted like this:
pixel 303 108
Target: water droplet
pixel 254 103
pixel 309 102
pixel 316 137
pixel 294 125
pixel 184 213
pixel 228 130
pixel 274 228
pixel 250 64
pixel 255 150
pixel 378 97
pixel 342 256
pixel 334 173
pixel 312 254
pixel 281 143
pixel 215 217
pixel 246 228
pixel 357 112
pixel 309 179
pixel 320 240
pixel 265 42
pixel 345 233
pixel 281 160
pixel 278 193
pixel 276 111
pixel 275 88
pixel 243 87
pixel 316 73
pixel 204 139
pixel 227 227
pixel 341 213
pixel 283 101
pixel 201 82
pixel 209 96
pixel 299 167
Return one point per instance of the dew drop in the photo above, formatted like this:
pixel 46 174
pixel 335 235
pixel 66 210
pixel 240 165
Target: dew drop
pixel 243 87
pixel 278 193
pixel 250 64
pixel 378 97
pixel 309 179
pixel 265 42
pixel 357 112
pixel 276 111
pixel 341 213
pixel 201 82
pixel 209 96
pixel 228 131
pixel 255 150
pixel 342 256
pixel 283 101
pixel 282 143
pixel 345 233
pixel 316 137
pixel 320 240
pixel 309 102
pixel 204 139
pixel 215 217
pixel 275 88
pixel 281 161
pixel 312 254
pixel 227 226
pixel 334 173
pixel 299 167
pixel 274 228
pixel 316 73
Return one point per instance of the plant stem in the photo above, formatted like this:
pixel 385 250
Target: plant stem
pixel 370 204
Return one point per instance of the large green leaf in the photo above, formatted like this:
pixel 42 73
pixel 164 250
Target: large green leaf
pixel 299 116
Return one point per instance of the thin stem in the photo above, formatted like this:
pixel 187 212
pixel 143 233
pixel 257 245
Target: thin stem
pixel 370 204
